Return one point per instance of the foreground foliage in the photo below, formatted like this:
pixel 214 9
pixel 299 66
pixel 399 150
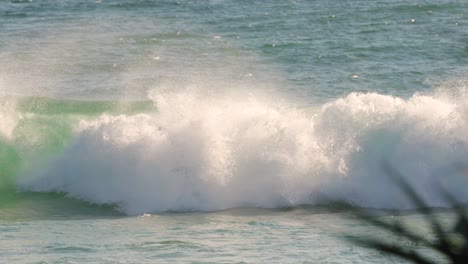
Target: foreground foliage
pixel 451 242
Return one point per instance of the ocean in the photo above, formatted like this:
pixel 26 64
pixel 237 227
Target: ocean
pixel 213 131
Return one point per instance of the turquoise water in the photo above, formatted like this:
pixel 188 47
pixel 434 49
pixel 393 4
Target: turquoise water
pixel 236 236
pixel 218 131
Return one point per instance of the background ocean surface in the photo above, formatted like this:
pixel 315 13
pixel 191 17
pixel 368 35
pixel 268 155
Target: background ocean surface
pixel 217 131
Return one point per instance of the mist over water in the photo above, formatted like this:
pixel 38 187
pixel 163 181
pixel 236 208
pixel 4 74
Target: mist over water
pixel 204 151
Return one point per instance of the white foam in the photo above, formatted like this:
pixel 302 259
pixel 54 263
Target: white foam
pixel 8 116
pixel 202 152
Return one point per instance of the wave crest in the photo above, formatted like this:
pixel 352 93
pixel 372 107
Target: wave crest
pixel 202 152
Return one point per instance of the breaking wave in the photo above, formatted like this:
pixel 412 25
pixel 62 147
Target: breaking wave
pixel 203 152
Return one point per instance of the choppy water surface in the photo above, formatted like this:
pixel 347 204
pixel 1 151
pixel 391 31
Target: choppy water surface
pixel 303 235
pixel 204 113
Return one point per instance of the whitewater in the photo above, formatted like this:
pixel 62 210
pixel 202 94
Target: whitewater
pixel 225 132
pixel 194 151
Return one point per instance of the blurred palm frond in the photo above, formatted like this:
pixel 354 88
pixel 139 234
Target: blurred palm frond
pixel 450 242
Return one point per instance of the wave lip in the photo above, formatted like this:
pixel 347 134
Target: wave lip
pixel 210 153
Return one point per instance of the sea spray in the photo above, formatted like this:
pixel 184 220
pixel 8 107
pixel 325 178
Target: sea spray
pixel 194 154
pixel 423 137
pixel 8 115
pixel 202 152
pixel 9 158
